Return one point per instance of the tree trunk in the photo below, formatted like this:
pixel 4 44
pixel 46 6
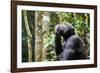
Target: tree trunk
pixel 29 36
pixel 38 36
pixel 45 30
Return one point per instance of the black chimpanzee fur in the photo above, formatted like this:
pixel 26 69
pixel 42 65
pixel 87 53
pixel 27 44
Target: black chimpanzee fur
pixel 72 47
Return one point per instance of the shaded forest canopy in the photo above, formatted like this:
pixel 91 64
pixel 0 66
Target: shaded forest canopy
pixel 38 32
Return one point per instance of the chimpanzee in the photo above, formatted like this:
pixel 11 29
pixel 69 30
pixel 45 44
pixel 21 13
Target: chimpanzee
pixel 72 46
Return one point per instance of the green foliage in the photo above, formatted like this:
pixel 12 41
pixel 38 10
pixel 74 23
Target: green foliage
pixel 50 47
pixel 79 20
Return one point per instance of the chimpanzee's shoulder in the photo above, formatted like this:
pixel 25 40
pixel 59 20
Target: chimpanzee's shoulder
pixel 75 39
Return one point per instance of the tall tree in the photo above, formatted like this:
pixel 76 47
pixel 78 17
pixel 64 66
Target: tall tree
pixel 45 30
pixel 29 36
pixel 38 36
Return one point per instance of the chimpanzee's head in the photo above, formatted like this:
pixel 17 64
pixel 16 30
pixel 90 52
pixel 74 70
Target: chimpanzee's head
pixel 65 30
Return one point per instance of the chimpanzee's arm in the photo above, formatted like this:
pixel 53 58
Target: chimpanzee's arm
pixel 58 45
